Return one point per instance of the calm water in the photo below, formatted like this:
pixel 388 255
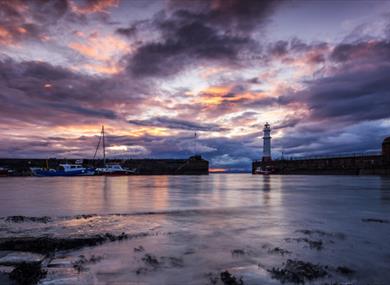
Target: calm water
pixel 199 220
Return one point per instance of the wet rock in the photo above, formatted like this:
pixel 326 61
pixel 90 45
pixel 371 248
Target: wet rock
pixel 313 244
pixel 112 237
pixel 80 264
pixel 173 261
pixel 21 219
pixel 322 233
pixel 79 217
pixel 371 220
pixel 14 258
pixel 213 278
pixel 189 251
pixel 47 245
pixel 27 273
pixel 297 271
pixel 139 249
pixel 141 270
pixel 150 260
pixel 345 270
pixel 229 279
pixel 238 252
pixel 278 250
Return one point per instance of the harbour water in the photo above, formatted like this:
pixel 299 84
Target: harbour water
pixel 189 229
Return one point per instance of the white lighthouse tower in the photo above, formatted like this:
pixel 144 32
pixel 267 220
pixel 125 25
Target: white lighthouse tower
pixel 267 142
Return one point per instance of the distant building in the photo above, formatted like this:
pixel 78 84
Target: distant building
pixel 386 149
pixel 266 143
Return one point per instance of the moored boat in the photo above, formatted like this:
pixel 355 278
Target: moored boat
pixel 115 170
pixel 110 169
pixel 4 171
pixel 63 170
pixel 260 170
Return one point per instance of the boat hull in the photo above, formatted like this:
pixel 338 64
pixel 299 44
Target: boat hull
pixel 52 173
pixel 116 173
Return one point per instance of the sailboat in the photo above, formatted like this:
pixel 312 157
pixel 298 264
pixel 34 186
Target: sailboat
pixel 110 169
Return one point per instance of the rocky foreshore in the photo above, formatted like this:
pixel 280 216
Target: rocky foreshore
pixel 33 259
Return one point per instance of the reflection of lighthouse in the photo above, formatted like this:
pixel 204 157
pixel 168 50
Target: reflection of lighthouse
pixel 267 142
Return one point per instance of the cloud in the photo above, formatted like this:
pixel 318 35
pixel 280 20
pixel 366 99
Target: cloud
pixel 93 6
pixel 215 33
pixel 233 15
pixel 128 32
pixel 172 123
pixel 102 53
pixel 226 160
pixel 34 20
pixel 186 43
pixel 350 97
pixel 183 66
pixel 362 51
pixel 40 93
pixel 14 26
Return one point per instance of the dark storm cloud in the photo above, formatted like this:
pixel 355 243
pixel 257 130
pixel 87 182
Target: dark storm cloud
pixel 233 15
pixel 346 107
pixel 192 41
pixel 358 90
pixel 47 11
pixel 102 113
pixel 214 33
pixel 37 92
pixel 362 51
pixel 128 32
pixel 20 20
pixel 279 48
pixel 287 122
pixel 32 20
pixel 357 139
pixel 172 123
pixel 314 53
pixel 134 28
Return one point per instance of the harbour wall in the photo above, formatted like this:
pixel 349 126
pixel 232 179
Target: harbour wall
pixel 351 165
pixel 194 165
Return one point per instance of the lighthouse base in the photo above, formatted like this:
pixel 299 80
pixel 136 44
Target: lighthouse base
pixel 266 159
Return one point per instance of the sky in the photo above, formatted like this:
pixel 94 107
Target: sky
pixel 154 72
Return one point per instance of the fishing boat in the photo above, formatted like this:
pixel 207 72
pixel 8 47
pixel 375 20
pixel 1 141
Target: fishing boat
pixel 63 170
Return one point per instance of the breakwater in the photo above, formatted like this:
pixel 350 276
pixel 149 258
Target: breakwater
pixel 350 165
pixel 194 165
pixel 362 164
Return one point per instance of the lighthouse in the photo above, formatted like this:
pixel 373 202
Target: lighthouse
pixel 266 143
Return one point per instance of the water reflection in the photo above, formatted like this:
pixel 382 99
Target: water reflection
pixel 216 214
pixel 102 195
pixel 266 183
pixel 266 189
pixel 385 189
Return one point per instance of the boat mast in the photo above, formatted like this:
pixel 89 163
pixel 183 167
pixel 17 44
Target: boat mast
pixel 195 137
pixel 104 147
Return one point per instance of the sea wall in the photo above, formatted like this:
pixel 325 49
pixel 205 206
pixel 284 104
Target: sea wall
pixel 194 165
pixel 353 165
